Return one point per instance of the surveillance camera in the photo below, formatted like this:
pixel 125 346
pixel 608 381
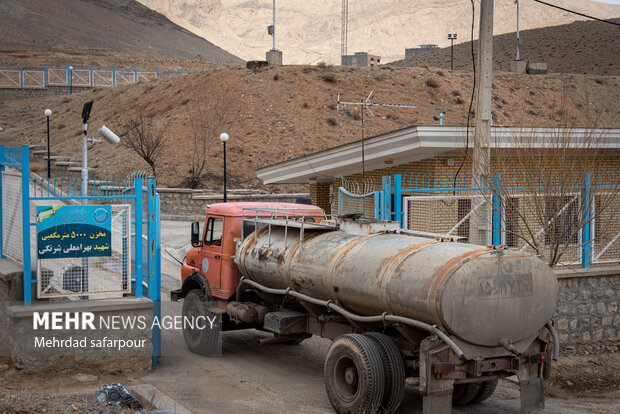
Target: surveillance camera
pixel 108 135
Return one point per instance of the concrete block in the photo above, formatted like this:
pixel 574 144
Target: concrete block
pixel 518 66
pixel 274 57
pixel 536 68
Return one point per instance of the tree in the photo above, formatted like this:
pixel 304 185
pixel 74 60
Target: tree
pixel 141 139
pixel 208 115
pixel 554 188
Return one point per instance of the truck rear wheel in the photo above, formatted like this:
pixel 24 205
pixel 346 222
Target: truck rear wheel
pixel 199 341
pixel 464 393
pixel 394 369
pixel 354 376
pixel 485 390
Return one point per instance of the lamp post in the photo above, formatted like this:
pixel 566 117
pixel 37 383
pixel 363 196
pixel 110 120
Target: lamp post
pixel 48 113
pixel 518 38
pixel 70 80
pixel 452 37
pixel 224 138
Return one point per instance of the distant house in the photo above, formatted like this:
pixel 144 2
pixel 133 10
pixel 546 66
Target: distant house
pixel 417 51
pixel 360 59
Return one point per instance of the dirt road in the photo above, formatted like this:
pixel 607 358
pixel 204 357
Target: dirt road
pixel 253 378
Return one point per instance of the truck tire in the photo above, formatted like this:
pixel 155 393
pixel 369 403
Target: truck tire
pixel 199 341
pixel 485 390
pixel 354 377
pixel 464 393
pixel 394 369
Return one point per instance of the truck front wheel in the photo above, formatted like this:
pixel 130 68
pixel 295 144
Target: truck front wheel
pixel 200 339
pixel 354 376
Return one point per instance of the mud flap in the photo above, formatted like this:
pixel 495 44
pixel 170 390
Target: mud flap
pixel 437 403
pixel 532 395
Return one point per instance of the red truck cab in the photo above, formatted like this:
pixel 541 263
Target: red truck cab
pixel 209 265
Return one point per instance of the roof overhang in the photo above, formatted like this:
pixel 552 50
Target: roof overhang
pixel 419 143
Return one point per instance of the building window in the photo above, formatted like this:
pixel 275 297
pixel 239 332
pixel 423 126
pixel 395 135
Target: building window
pixel 512 222
pixel 563 215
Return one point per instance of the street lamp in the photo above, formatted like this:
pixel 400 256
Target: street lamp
pixel 224 138
pixel 452 37
pixel 48 113
pixel 519 41
pixel 70 80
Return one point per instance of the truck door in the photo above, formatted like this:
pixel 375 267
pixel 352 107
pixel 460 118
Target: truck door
pixel 212 251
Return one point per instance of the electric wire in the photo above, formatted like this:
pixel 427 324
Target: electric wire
pixel 471 100
pixel 577 13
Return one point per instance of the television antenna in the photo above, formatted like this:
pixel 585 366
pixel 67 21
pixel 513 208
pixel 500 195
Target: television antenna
pixel 367 103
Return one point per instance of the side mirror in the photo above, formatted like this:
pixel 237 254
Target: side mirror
pixel 196 234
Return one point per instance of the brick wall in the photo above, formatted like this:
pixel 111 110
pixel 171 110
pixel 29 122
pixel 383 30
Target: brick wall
pixel 321 194
pixel 588 305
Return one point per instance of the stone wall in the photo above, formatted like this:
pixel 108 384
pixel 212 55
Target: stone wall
pixel 26 93
pixel 588 304
pixel 183 203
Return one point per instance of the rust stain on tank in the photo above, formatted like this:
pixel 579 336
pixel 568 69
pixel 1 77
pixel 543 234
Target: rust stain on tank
pixel 391 261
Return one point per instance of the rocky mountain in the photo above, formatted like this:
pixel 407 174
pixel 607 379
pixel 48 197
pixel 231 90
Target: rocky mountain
pixel 308 31
pixel 92 26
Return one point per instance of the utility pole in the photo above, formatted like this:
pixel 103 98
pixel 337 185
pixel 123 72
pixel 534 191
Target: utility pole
pixel 343 30
pixel 518 38
pixel 452 37
pixel 274 25
pixel 367 104
pixel 481 167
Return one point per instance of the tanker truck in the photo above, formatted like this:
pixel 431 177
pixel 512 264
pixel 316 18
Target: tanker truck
pixel 448 318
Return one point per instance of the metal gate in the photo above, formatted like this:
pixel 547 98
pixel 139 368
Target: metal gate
pixel 447 216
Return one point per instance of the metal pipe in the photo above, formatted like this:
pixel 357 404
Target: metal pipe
pixel 274 24
pixel 556 340
pixel 358 318
pixel 509 346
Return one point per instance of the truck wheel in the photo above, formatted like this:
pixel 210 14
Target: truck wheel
pixel 394 369
pixel 464 393
pixel 485 390
pixel 199 341
pixel 354 377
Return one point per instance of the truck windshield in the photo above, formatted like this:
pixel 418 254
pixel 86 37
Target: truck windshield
pixel 213 235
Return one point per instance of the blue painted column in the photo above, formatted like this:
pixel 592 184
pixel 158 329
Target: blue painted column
pixel 586 246
pixel 135 75
pixel 138 236
pixel 26 226
pixel 113 76
pixel 155 284
pixel 398 200
pixel 339 201
pixel 91 76
pixel 496 226
pixel 2 256
pixel 21 77
pixel 46 76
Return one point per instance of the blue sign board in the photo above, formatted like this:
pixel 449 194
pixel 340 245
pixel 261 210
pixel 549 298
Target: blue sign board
pixel 74 231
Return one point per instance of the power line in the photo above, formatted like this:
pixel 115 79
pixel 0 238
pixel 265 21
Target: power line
pixel 577 13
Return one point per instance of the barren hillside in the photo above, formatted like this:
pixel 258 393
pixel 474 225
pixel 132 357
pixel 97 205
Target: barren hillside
pixel 92 27
pixel 280 113
pixel 308 31
pixel 590 47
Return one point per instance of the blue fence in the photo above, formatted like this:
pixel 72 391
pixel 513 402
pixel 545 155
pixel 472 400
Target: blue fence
pixel 140 193
pixel 584 187
pixel 72 76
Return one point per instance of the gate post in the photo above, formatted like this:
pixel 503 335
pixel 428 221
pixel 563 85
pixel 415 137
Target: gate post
pixel 398 214
pixel 91 75
pixel 26 225
pixel 585 229
pixel 497 211
pixel 2 256
pixel 137 189
pixel 386 206
pixel 21 77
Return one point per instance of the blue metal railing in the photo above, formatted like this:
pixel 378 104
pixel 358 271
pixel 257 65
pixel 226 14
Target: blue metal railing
pixel 72 76
pixel 445 182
